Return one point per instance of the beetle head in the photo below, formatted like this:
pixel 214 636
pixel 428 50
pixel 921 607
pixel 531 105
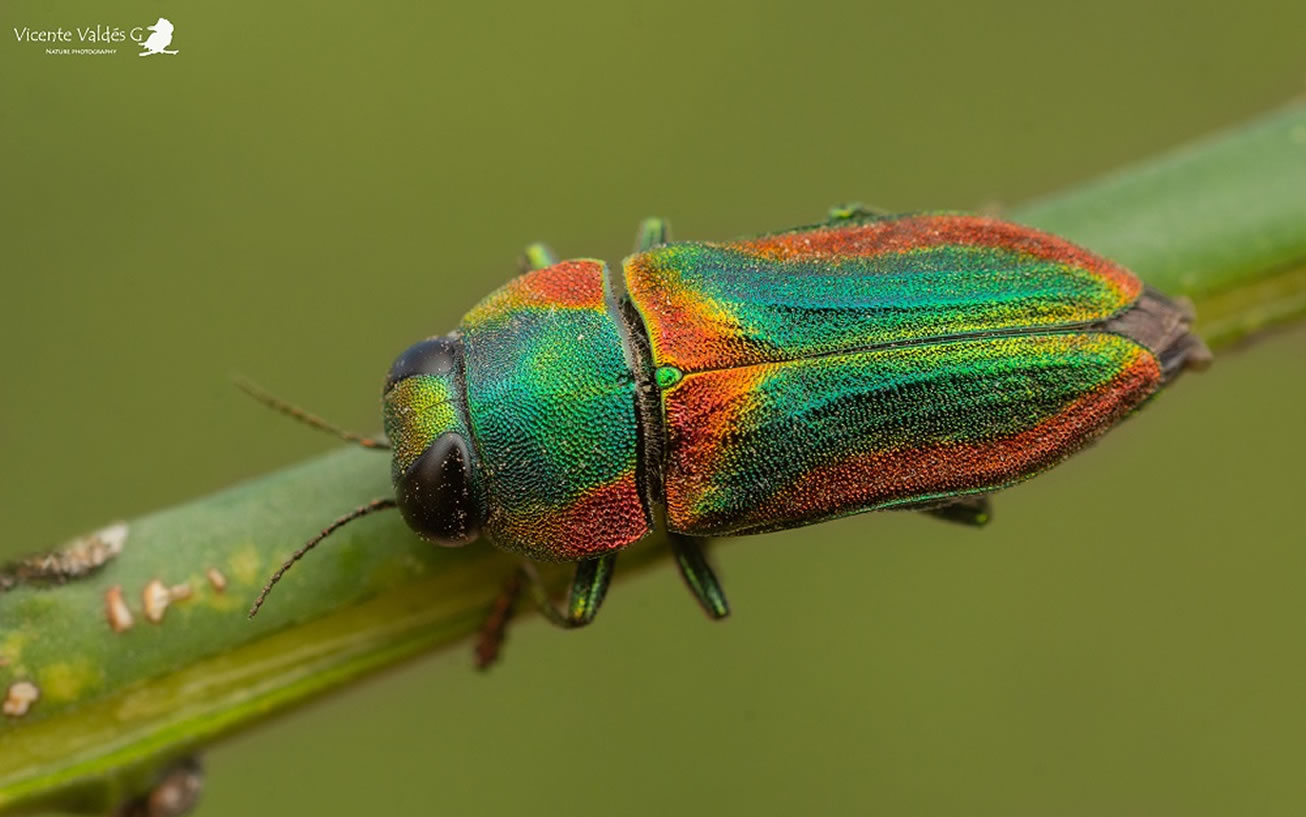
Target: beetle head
pixel 434 467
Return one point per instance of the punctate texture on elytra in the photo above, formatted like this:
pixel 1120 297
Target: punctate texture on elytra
pixel 552 406
pixel 895 362
pixel 868 362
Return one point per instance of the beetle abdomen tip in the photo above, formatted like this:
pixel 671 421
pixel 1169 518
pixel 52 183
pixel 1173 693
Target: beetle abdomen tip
pixel 1164 326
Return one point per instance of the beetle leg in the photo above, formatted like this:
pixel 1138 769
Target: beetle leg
pixel 853 212
pixel 175 792
pixel 652 232
pixel 588 587
pixel 698 574
pixel 971 510
pixel 494 630
pixel 537 256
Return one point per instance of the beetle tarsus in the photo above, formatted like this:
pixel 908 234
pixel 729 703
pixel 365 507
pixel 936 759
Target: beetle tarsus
pixel 494 631
pixel 175 792
pixel 698 575
pixel 589 586
pixel 852 212
pixel 975 511
pixel 653 232
pixel 537 256
pixel 588 589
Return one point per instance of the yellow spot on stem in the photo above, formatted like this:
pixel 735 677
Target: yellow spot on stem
pixel 11 647
pixel 246 565
pixel 68 680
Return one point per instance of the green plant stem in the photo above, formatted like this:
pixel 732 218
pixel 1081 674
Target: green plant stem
pixel 1222 222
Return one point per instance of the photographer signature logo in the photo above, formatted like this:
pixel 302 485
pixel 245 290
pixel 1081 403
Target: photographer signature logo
pixel 100 40
pixel 158 42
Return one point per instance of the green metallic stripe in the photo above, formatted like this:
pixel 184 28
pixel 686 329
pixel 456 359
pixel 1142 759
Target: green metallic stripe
pixel 552 404
pixel 791 309
pixel 741 436
pixel 544 403
pixel 839 288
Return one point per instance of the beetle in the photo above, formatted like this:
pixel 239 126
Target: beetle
pixel 707 389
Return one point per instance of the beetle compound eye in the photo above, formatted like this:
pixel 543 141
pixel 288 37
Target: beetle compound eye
pixel 432 356
pixel 435 494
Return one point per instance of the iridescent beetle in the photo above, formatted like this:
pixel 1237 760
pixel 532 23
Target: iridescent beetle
pixel 716 389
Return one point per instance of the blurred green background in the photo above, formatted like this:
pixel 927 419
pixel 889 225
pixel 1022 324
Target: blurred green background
pixel 304 190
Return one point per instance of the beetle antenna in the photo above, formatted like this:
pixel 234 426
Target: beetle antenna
pixel 357 513
pixel 296 413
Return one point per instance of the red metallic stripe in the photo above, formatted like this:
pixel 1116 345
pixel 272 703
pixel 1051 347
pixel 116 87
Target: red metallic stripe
pixel 920 232
pixel 571 284
pixel 606 519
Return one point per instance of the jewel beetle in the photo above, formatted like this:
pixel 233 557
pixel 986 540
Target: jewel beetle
pixel 707 389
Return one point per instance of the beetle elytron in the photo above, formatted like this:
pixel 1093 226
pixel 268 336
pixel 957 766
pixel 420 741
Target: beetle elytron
pixel 713 389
